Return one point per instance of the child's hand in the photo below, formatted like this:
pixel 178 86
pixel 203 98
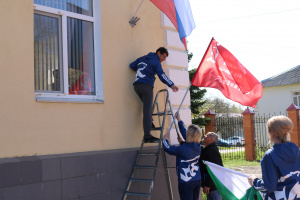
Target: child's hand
pixel 179 139
pixel 167 136
pixel 177 115
pixel 251 179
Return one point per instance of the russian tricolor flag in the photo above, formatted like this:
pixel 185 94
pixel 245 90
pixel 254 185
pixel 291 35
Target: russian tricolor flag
pixel 180 14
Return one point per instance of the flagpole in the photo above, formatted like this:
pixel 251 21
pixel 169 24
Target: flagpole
pixel 179 109
pixel 189 87
pixel 138 8
pixel 204 54
pixel 135 19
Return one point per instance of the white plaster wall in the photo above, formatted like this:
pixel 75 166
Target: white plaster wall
pixel 276 99
pixel 180 77
pixel 177 97
pixel 177 59
pixel 173 40
pixel 166 23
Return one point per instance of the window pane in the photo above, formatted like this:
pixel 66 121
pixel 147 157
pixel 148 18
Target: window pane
pixel 83 7
pixel 295 101
pixel 46 53
pixel 81 70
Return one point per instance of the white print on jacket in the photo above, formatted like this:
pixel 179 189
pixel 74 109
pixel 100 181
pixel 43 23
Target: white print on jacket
pixel 190 169
pixel 138 72
pixel 292 193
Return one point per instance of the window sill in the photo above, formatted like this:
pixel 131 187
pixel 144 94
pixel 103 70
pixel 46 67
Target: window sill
pixel 67 100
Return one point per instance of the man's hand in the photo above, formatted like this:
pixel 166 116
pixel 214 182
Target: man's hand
pixel 174 88
pixel 206 190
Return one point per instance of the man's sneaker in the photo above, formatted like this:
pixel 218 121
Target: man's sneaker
pixel 151 140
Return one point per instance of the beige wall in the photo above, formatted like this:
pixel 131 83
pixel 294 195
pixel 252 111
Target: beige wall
pixel 276 99
pixel 28 127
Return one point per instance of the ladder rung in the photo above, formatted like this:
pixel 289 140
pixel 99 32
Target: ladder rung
pixel 148 154
pixel 156 129
pixel 141 180
pixel 144 167
pixel 152 142
pixel 137 194
pixel 162 113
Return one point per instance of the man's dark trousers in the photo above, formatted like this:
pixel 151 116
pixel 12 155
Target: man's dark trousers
pixel 145 93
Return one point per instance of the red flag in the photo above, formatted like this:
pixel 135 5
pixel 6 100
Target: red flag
pixel 168 8
pixel 221 70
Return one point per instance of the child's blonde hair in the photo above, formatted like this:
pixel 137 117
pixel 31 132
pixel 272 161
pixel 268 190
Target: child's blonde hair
pixel 193 134
pixel 280 127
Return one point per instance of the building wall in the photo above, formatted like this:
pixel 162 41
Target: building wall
pixel 98 175
pixel 37 128
pixel 276 99
pixel 53 150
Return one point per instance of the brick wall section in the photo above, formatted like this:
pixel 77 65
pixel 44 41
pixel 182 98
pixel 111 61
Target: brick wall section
pixel 77 176
pixel 293 114
pixel 210 125
pixel 249 134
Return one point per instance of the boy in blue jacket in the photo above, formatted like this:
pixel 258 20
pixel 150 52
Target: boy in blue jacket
pixel 187 156
pixel 146 68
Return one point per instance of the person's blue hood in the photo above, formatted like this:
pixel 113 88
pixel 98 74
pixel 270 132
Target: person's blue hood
pixel 195 146
pixel 285 153
pixel 152 55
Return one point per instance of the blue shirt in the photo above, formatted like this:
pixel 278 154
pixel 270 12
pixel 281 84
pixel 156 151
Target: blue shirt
pixel 280 173
pixel 147 67
pixel 187 158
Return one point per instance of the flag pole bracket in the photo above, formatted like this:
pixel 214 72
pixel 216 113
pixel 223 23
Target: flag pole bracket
pixel 135 19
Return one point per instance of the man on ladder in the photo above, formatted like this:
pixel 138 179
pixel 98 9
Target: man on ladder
pixel 146 68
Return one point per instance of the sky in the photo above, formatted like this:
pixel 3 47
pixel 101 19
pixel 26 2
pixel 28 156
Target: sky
pixel 264 35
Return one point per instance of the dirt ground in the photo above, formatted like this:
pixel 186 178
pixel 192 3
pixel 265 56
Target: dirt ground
pixel 256 170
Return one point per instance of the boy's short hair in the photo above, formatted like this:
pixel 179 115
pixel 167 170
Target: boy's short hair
pixel 193 134
pixel 162 50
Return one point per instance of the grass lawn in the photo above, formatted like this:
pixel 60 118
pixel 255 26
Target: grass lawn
pixel 237 163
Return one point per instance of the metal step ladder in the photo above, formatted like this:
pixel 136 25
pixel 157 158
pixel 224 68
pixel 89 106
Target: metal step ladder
pixel 140 183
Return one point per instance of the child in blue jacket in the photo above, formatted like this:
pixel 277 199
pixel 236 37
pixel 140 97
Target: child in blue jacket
pixel 280 164
pixel 187 165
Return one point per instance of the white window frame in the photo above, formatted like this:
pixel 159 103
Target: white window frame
pixel 96 19
pixel 298 100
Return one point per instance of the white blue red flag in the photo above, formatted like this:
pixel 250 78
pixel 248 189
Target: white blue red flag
pixel 180 14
